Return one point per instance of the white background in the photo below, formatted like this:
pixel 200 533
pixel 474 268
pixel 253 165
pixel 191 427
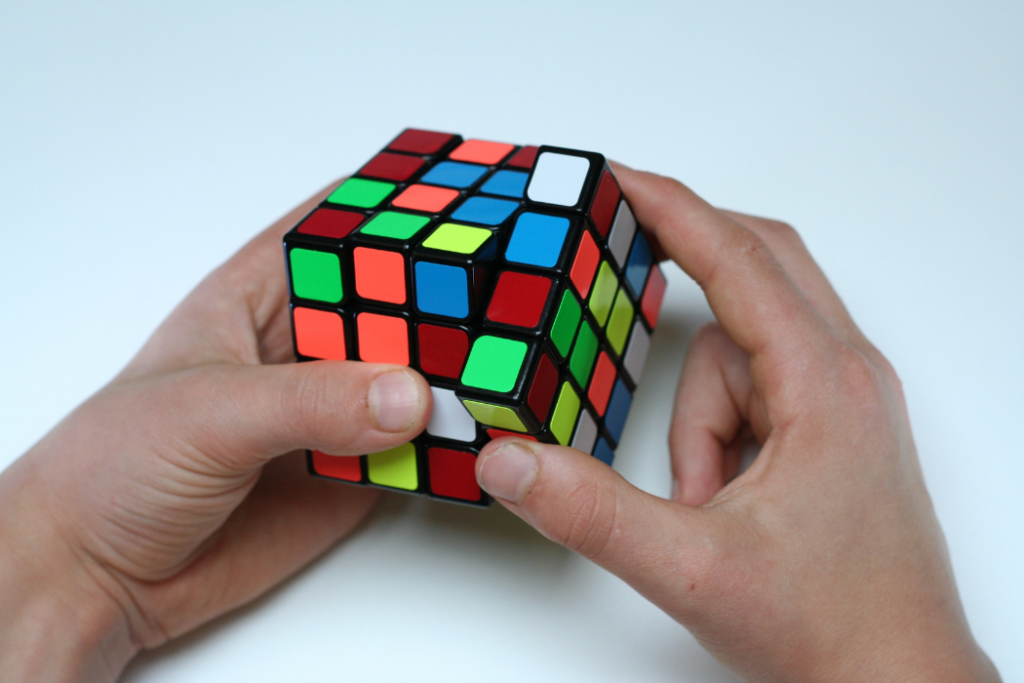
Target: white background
pixel 139 147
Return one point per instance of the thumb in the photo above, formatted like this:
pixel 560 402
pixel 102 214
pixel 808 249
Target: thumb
pixel 579 502
pixel 241 416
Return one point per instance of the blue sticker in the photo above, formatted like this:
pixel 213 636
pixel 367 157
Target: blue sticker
pixel 442 290
pixel 537 240
pixel 618 410
pixel 639 264
pixel 454 174
pixel 506 184
pixel 604 452
pixel 484 210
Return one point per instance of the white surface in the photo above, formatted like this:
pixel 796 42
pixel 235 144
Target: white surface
pixel 558 179
pixel 586 432
pixel 636 352
pixel 621 236
pixel 450 419
pixel 141 145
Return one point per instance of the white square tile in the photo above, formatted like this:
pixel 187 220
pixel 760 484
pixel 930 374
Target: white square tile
pixel 586 432
pixel 622 233
pixel 450 420
pixel 636 352
pixel 558 179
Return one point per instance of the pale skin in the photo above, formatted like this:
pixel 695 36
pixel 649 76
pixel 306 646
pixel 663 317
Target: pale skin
pixel 176 494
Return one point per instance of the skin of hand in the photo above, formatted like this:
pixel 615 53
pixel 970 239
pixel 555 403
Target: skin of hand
pixel 823 561
pixel 160 502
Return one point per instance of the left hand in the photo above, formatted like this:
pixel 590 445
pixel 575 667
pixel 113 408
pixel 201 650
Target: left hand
pixel 158 504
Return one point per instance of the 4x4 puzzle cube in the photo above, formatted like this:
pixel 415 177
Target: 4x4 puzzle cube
pixel 513 278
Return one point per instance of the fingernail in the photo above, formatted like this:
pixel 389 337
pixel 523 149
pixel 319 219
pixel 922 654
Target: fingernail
pixel 394 400
pixel 509 472
pixel 675 489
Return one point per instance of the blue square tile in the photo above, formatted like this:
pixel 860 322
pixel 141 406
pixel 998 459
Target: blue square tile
pixel 485 210
pixel 639 264
pixel 537 240
pixel 618 410
pixel 506 184
pixel 442 289
pixel 604 452
pixel 454 174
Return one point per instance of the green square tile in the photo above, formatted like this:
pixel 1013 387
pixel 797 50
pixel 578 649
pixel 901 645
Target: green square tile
pixel 620 321
pixel 399 226
pixel 494 416
pixel 462 239
pixel 567 319
pixel 563 419
pixel 583 354
pixel 603 292
pixel 360 192
pixel 494 363
pixel 316 275
pixel 395 467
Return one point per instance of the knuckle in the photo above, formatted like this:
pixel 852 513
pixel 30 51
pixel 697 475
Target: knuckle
pixel 862 382
pixel 590 519
pixel 782 231
pixel 304 399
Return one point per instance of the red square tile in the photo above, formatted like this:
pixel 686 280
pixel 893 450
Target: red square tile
pixel 602 211
pixel 453 473
pixel 481 152
pixel 346 467
pixel 319 334
pixel 383 338
pixel 392 166
pixel 425 198
pixel 519 299
pixel 498 433
pixel 650 304
pixel 601 383
pixel 542 390
pixel 331 223
pixel 417 141
pixel 443 350
pixel 525 157
pixel 380 275
pixel 584 266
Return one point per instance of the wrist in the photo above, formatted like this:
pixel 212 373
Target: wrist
pixel 59 624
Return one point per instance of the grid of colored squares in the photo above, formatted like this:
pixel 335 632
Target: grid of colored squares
pixel 514 278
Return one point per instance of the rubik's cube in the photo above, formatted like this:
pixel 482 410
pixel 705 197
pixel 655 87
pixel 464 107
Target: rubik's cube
pixel 513 278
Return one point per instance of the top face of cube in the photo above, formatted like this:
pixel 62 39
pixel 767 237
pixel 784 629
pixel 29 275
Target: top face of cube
pixel 514 277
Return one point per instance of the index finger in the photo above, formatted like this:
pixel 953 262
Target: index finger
pixel 750 293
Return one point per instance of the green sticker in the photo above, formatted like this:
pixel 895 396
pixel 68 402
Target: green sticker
pixel 462 239
pixel 316 275
pixel 395 467
pixel 619 323
pixel 604 291
pixel 360 192
pixel 564 417
pixel 583 354
pixel 567 319
pixel 494 363
pixel 398 226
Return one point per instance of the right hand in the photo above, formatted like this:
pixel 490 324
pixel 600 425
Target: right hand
pixel 822 562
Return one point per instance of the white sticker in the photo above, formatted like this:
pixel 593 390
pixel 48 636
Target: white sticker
pixel 450 419
pixel 586 432
pixel 558 179
pixel 636 354
pixel 623 230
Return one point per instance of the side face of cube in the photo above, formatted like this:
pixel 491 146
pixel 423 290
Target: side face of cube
pixel 515 279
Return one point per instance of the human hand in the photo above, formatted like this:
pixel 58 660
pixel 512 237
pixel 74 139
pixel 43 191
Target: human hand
pixel 159 503
pixel 824 561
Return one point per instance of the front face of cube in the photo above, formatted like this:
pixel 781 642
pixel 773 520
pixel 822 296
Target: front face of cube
pixel 515 279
